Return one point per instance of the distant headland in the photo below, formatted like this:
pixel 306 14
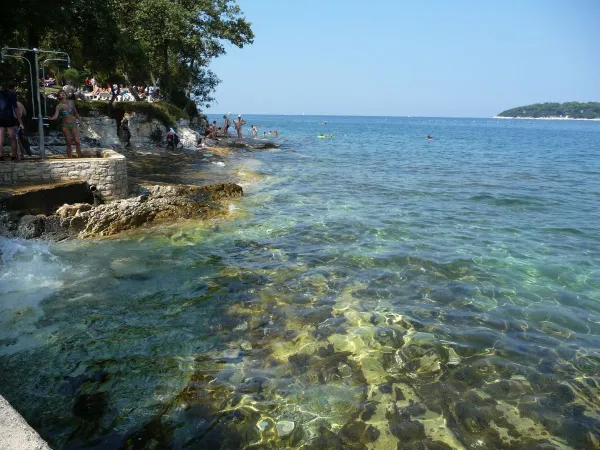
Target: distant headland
pixel 554 111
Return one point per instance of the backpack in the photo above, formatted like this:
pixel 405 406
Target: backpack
pixel 8 104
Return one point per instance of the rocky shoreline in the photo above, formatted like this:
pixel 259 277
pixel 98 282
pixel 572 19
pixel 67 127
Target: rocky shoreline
pixel 153 204
pixel 164 186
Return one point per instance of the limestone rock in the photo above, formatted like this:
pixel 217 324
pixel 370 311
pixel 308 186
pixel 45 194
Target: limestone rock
pixel 141 130
pixel 188 137
pixel 30 227
pixel 100 130
pixel 199 122
pixel 68 211
pixel 160 202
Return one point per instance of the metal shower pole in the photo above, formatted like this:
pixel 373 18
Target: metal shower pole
pixel 36 52
pixel 30 78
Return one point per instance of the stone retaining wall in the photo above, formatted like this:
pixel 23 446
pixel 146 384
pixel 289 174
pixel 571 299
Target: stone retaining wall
pixel 106 169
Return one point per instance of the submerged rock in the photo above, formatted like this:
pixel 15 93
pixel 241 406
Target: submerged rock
pixel 285 428
pixel 264 424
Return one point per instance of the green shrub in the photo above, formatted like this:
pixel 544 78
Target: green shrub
pixel 156 135
pixel 71 76
pixel 165 113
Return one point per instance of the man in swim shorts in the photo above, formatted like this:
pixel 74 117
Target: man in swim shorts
pixel 226 126
pixel 9 119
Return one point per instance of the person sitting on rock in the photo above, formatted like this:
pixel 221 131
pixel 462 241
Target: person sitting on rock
pixel 212 131
pixel 173 139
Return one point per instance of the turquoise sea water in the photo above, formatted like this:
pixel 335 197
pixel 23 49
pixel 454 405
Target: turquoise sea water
pixel 376 289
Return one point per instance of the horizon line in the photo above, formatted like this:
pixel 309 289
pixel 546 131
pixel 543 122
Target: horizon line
pixel 349 115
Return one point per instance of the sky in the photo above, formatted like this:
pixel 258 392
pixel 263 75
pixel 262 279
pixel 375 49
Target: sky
pixel 440 58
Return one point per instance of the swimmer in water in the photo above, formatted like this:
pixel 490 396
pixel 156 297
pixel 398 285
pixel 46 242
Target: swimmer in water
pixel 429 138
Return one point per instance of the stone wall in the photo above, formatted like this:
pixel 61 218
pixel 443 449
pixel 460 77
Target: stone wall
pixel 106 169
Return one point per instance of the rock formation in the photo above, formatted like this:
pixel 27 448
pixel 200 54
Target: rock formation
pixel 153 204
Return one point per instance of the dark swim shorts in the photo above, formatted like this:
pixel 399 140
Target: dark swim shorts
pixel 9 123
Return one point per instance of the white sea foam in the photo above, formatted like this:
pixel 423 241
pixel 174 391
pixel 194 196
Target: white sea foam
pixel 8 248
pixel 29 274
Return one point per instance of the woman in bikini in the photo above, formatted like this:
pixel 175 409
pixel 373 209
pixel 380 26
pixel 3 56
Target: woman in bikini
pixel 68 112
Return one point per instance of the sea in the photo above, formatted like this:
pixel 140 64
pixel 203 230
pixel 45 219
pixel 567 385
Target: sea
pixel 370 290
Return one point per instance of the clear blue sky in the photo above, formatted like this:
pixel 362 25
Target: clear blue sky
pixel 411 58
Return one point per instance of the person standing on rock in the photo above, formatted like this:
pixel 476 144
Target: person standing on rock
pixel 9 119
pixel 226 126
pixel 239 123
pixel 68 112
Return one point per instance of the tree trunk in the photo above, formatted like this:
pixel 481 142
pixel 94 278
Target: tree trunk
pixel 188 90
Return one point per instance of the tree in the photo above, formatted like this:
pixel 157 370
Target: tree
pixel 172 41
pixel 573 110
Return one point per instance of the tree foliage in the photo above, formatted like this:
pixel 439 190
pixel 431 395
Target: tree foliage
pixel 169 43
pixel 572 110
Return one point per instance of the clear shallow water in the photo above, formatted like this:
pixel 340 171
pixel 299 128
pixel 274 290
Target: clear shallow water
pixel 375 289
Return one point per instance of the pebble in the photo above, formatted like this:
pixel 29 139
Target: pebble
pixel 285 428
pixel 231 354
pixel 263 425
pixel 241 327
pixel 453 358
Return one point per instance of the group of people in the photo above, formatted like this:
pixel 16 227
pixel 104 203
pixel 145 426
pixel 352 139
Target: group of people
pixel 213 130
pixel 12 114
pixel 254 130
pixel 122 93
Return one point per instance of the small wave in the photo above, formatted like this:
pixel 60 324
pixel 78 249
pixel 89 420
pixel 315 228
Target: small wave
pixel 483 197
pixel 9 248
pixel 564 230
pixel 513 201
pixel 503 201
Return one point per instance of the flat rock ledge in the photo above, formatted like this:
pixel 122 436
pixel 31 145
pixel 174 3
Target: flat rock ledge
pixel 154 203
pixel 15 432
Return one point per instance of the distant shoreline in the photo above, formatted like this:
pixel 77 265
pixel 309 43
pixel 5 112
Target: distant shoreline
pixel 544 118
